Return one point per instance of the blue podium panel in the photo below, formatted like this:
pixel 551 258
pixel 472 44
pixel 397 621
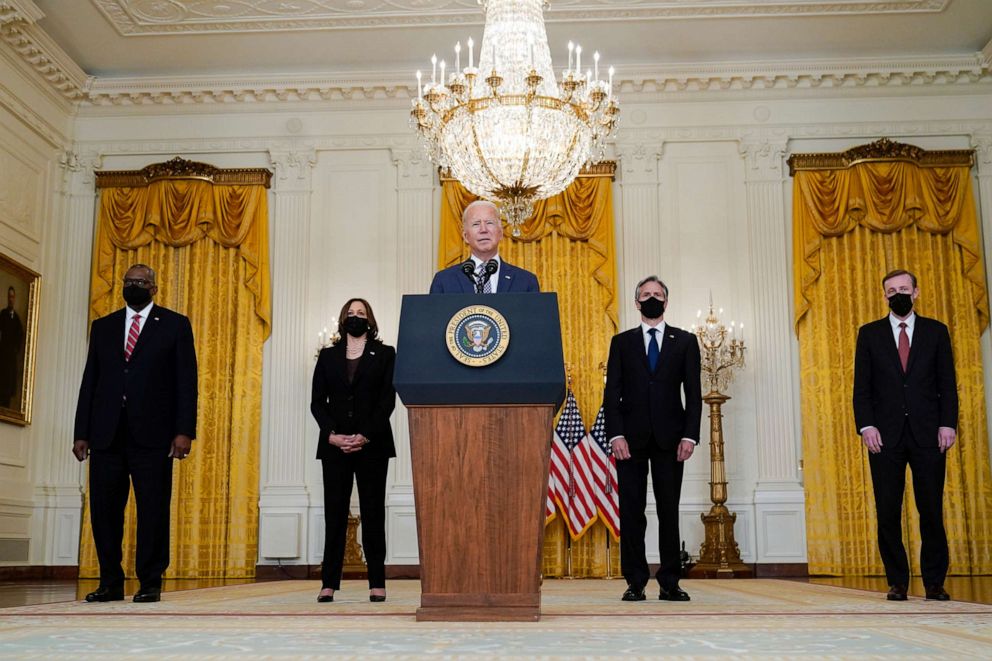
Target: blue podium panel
pixel 526 368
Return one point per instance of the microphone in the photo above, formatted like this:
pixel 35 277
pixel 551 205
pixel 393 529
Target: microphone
pixel 468 268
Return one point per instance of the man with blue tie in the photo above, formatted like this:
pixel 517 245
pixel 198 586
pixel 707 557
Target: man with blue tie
pixel 649 369
pixel 484 272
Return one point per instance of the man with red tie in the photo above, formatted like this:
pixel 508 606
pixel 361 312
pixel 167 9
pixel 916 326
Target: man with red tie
pixel 906 411
pixel 136 413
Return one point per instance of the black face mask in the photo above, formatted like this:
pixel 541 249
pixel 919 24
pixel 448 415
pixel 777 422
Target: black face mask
pixel 356 326
pixel 136 297
pixel 901 304
pixel 652 308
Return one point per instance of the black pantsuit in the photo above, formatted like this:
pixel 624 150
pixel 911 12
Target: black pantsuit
pixel 360 405
pixel 339 474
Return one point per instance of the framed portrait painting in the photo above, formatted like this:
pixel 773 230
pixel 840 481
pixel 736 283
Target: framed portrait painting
pixel 18 336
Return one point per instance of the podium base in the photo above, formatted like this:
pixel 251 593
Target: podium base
pixel 478 614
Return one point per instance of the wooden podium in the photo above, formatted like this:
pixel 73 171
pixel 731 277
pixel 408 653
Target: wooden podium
pixel 480 441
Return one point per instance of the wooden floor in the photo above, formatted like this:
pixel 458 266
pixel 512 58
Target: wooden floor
pixel 977 589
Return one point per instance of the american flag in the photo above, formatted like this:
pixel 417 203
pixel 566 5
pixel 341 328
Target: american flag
pixel 604 470
pixel 549 507
pixel 568 433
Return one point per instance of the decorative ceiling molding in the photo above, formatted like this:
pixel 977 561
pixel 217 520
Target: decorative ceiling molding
pixel 36 49
pixel 19 11
pixel 909 73
pixel 155 17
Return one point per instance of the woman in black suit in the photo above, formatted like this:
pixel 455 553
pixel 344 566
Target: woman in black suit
pixel 352 400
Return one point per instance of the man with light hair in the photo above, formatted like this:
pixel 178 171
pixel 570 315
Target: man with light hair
pixel 485 272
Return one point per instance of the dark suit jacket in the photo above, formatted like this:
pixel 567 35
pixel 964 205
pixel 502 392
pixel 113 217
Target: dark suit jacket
pixel 640 404
pixel 361 407
pixel 159 381
pixel 925 397
pixel 511 280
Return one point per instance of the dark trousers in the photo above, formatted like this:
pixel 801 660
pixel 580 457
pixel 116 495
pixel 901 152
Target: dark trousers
pixel 888 477
pixel 339 474
pixel 632 480
pixel 112 472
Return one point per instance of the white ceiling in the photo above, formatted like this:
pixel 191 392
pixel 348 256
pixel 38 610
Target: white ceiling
pixel 168 38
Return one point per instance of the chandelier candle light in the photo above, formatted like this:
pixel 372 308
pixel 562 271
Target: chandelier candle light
pixel 722 352
pixel 509 130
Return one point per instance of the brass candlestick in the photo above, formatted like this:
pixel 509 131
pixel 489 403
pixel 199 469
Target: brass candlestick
pixel 721 354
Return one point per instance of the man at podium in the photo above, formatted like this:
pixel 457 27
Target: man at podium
pixel 484 272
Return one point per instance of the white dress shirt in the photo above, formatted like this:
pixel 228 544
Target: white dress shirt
pixel 910 322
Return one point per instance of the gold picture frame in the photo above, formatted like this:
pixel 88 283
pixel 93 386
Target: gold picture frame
pixel 19 290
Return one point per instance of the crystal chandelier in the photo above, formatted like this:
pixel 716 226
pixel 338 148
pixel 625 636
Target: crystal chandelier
pixel 508 130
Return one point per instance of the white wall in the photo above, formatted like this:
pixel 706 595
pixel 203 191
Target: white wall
pixel 702 197
pixel 39 490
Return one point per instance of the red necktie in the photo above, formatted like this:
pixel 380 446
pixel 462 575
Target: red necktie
pixel 132 337
pixel 903 346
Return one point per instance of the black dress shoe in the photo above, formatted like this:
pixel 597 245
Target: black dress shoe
pixel 147 595
pixel 673 594
pixel 325 598
pixel 897 592
pixel 106 594
pixel 937 593
pixel 377 598
pixel 633 594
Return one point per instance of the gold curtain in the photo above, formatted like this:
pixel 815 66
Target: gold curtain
pixel 209 246
pixel 852 224
pixel 569 244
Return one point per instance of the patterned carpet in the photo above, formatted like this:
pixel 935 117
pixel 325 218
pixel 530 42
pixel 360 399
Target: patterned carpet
pixel 281 620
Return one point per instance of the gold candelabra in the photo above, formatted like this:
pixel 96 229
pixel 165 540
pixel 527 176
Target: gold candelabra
pixel 721 352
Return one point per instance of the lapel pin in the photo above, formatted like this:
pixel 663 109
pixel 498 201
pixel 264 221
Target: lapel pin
pixel 671 336
pixel 371 353
pixel 156 318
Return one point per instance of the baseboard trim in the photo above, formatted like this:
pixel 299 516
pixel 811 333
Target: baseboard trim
pixel 781 570
pixel 312 572
pixel 39 572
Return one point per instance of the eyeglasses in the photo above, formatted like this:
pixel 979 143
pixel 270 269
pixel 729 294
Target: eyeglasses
pixel 140 282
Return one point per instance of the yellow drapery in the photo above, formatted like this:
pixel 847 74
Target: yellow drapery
pixel 209 246
pixel 853 224
pixel 569 244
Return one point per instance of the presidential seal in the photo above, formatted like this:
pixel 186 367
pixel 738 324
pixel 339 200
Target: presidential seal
pixel 477 336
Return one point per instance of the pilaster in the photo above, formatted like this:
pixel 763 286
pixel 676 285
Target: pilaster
pixel 982 144
pixel 640 231
pixel 779 497
pixel 283 494
pixel 59 479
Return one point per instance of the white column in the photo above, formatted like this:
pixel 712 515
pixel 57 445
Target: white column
pixel 283 497
pixel 639 226
pixel 418 220
pixel 982 143
pixel 59 479
pixel 779 497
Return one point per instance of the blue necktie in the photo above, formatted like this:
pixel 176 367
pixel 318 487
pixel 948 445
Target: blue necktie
pixel 653 349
